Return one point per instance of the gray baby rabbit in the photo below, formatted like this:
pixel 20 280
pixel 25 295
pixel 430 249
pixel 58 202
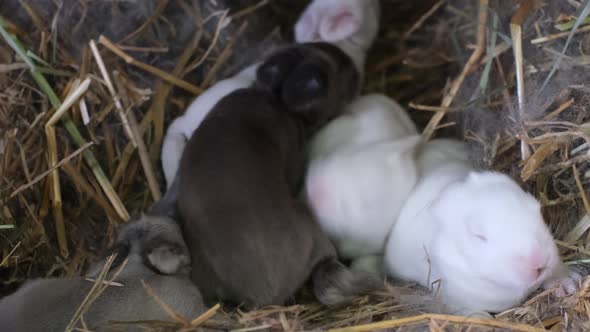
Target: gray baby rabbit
pixel 252 242
pixel 155 253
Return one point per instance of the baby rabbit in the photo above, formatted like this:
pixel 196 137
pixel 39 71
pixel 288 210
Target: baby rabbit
pixel 356 194
pixel 477 232
pixel 156 254
pixel 352 25
pixel 251 241
pixel 361 171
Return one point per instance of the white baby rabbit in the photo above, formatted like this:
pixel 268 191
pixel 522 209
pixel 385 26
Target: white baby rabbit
pixel 361 169
pixel 369 118
pixel 476 232
pixel 351 25
pixel 155 253
pixel 356 194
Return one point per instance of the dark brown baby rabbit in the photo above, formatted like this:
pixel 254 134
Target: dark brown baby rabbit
pixel 251 241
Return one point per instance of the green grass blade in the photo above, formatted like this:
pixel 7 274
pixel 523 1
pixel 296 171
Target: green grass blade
pixel 483 83
pixel 66 120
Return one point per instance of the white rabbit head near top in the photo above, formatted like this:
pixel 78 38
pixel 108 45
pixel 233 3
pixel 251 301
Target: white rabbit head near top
pixel 350 24
pixel 499 237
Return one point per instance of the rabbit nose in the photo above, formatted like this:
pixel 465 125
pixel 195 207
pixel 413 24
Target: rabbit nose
pixel 533 266
pixel 540 271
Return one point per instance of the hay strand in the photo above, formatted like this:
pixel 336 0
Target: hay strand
pixel 421 46
pixel 465 321
pixel 457 82
pixel 150 69
pixel 69 124
pixel 78 90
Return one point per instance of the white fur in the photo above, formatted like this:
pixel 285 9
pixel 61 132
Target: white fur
pixel 350 24
pixel 356 193
pixel 363 163
pixel 182 128
pixel 438 234
pixel 369 118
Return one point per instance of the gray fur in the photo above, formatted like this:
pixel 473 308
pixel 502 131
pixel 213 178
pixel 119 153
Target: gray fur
pixel 334 283
pixel 156 254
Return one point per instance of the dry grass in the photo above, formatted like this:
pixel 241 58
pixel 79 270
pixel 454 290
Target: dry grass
pixel 68 178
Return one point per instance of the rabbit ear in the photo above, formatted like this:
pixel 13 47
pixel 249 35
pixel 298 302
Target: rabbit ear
pixel 340 24
pixel 306 27
pixel 167 257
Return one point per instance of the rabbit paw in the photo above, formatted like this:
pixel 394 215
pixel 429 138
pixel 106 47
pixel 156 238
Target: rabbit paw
pixel 465 312
pixel 565 285
pixel 372 264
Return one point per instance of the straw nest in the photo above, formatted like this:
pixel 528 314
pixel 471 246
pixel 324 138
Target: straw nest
pixel 80 152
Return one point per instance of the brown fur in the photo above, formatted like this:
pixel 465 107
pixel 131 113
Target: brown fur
pixel 251 241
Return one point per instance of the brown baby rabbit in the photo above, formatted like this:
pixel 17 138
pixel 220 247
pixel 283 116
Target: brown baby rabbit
pixel 251 241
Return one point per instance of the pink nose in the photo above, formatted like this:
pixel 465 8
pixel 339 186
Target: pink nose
pixel 532 266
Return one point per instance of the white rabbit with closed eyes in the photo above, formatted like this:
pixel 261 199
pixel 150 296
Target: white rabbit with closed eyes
pixel 476 232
